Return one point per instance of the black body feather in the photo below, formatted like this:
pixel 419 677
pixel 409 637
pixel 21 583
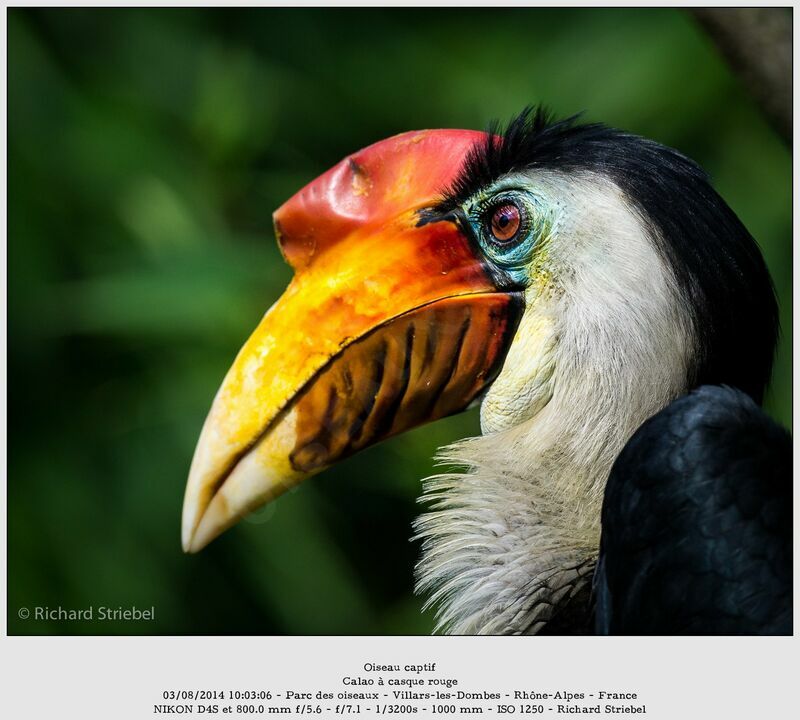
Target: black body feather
pixel 697 523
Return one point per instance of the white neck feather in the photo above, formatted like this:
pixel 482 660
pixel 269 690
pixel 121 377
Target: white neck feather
pixel 500 548
pixel 514 535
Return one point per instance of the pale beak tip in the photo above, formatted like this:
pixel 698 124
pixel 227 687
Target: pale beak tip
pixel 187 539
pixel 192 517
pixel 200 528
pixel 186 543
pixel 192 547
pixel 193 541
pixel 190 520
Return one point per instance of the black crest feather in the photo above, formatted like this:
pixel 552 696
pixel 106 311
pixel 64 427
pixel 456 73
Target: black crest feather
pixel 529 139
pixel 717 265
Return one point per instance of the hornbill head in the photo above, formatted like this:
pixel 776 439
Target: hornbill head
pixel 574 278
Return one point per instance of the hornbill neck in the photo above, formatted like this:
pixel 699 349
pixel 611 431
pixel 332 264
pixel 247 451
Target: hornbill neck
pixel 511 542
pixel 513 537
pixel 502 553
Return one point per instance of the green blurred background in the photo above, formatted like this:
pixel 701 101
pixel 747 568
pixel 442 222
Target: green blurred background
pixel 147 150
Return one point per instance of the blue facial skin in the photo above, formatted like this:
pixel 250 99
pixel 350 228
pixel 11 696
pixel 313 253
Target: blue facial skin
pixel 511 257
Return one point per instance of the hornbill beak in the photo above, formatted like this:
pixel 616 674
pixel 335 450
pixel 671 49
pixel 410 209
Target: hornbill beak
pixel 392 320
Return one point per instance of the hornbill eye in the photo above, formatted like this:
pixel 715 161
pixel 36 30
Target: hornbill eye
pixel 504 221
pixel 510 224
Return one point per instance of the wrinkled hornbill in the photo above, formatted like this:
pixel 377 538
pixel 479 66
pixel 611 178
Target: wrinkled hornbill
pixel 574 279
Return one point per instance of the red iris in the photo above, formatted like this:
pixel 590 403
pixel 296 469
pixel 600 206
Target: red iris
pixel 505 222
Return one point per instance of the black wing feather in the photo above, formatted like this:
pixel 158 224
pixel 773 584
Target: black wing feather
pixel 697 523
